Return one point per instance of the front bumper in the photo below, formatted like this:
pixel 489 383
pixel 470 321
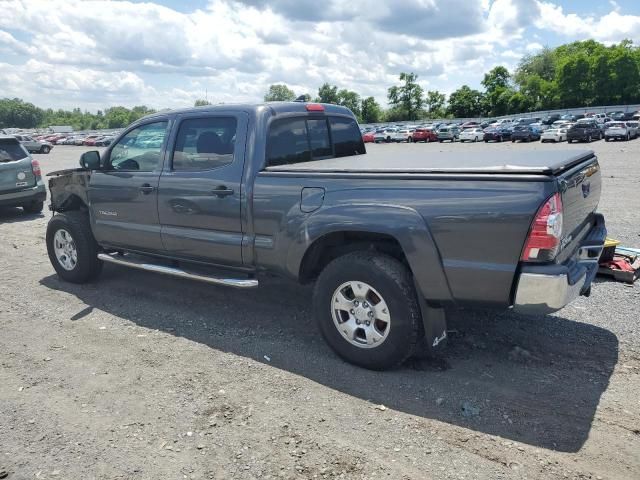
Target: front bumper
pixel 548 288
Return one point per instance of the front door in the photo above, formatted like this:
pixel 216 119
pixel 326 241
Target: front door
pixel 199 195
pixel 124 194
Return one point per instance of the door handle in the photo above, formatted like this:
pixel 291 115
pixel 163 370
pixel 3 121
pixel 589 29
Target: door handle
pixel 145 188
pixel 222 191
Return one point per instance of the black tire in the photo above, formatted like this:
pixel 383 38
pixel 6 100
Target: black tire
pixel 394 283
pixel 628 137
pixel 45 149
pixel 589 139
pixel 76 223
pixel 513 141
pixel 607 139
pixel 440 141
pixel 35 206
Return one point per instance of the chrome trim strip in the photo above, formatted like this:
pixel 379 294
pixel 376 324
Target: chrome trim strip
pixel 176 272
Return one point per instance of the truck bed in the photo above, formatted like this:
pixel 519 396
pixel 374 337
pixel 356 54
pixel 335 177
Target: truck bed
pixel 424 161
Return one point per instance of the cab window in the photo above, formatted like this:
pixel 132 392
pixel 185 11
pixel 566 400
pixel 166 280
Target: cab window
pixel 204 143
pixel 140 149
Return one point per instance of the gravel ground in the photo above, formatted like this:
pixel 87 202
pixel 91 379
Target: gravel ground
pixel 141 376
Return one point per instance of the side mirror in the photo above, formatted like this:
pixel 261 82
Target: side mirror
pixel 90 160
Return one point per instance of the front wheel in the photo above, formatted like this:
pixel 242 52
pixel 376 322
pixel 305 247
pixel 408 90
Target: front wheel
pixel 72 249
pixel 45 149
pixel 367 309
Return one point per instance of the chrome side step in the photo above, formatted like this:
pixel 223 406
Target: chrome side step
pixel 177 272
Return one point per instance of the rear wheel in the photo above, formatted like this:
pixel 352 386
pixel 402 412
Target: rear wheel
pixel 367 310
pixel 35 206
pixel 72 250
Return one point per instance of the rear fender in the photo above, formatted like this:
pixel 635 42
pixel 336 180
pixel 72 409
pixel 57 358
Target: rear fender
pixel 403 224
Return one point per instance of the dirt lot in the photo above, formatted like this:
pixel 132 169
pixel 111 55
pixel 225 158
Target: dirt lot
pixel 141 376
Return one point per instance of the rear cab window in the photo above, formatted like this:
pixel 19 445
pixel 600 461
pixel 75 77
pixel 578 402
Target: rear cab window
pixel 11 150
pixel 303 139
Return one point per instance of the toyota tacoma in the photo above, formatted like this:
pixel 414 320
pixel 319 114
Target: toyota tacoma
pixel 226 193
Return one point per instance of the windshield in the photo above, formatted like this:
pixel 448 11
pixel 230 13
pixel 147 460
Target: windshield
pixel 11 150
pixel 616 125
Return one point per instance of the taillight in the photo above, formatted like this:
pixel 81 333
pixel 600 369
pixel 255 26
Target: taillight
pixel 544 237
pixel 35 168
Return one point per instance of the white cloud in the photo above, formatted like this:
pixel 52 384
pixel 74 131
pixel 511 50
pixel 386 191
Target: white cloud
pixel 609 28
pixel 97 53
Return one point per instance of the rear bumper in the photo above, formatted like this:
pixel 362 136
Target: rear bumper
pixel 14 199
pixel 548 288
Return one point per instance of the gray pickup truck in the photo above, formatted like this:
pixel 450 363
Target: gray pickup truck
pixel 225 193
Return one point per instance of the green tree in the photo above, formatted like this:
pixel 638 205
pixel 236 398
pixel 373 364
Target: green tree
pixel 434 102
pixel 466 102
pixel 408 96
pixel 328 94
pixel 201 102
pixel 279 93
pixel 351 100
pixel 371 111
pixel 19 114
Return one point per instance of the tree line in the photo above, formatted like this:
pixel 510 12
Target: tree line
pixel 578 74
pixel 17 113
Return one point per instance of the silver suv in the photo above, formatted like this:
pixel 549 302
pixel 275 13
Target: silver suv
pixel 21 182
pixel 33 145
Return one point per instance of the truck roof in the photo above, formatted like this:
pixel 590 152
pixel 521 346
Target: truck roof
pixel 275 107
pixel 415 161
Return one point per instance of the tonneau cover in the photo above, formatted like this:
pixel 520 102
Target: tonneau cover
pixel 414 160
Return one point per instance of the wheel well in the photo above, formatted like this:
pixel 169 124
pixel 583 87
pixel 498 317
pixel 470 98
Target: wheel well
pixel 333 245
pixel 72 202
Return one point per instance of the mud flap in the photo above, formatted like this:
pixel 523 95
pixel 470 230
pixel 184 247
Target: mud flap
pixel 434 322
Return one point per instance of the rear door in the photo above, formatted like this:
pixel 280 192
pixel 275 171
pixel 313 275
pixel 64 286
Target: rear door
pixel 124 194
pixel 15 167
pixel 200 190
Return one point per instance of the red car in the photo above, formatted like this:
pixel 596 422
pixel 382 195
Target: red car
pixel 368 137
pixel 424 135
pixel 90 141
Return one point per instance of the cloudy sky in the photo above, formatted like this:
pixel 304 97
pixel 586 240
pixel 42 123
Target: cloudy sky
pixel 167 53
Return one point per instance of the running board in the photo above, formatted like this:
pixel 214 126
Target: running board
pixel 176 272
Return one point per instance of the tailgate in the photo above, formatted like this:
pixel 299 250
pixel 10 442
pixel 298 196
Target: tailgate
pixel 580 188
pixel 15 167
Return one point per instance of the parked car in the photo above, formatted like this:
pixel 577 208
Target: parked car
pixel 106 141
pixel 503 122
pixel 33 145
pixel 384 135
pixel 79 140
pixel 402 135
pixel 90 141
pixel 471 134
pixel 450 133
pixel 550 119
pixel 382 270
pixel 585 130
pixel 470 125
pixel 554 135
pixel 425 135
pixel 499 134
pixel 524 133
pixel 368 137
pixel 21 182
pixel 633 129
pixel 617 131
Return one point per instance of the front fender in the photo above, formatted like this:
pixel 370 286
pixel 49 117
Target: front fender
pixel 402 223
